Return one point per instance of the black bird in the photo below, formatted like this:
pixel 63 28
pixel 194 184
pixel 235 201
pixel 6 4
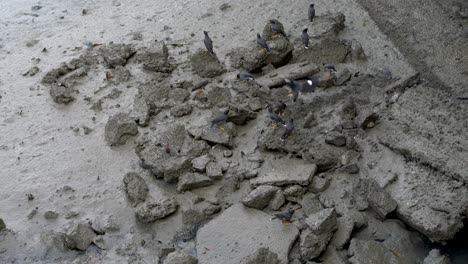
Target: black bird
pixel 208 43
pixel 274 116
pixel 276 28
pixel 305 38
pixel 280 107
pixel 220 119
pixel 289 129
pixel 245 76
pixel 300 87
pixel 262 43
pixel 329 67
pixel 311 12
pixel 284 216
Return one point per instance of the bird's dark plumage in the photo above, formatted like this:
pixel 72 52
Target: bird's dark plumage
pixel 220 119
pixel 276 28
pixel 274 116
pixel 311 13
pixel 301 87
pixel 262 43
pixel 280 106
pixel 289 129
pixel 208 43
pixel 305 38
pixel 329 67
pixel 245 76
pixel 284 216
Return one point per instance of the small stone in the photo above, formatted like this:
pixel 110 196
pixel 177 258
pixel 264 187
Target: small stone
pixel 435 257
pixel 181 110
pixel 31 72
pixel 311 204
pixel 319 184
pixel 50 215
pixel 61 94
pixel 293 190
pixel 136 188
pixel 351 168
pixel 227 153
pixel 99 242
pixel 191 181
pixel 180 257
pixel 165 249
pixel 264 256
pixel 2 225
pixel 277 201
pixel 260 197
pixel 119 128
pixel 350 157
pixel 342 76
pixel 214 171
pixel 80 237
pixel 322 221
pixel 32 214
pixel 335 138
pixel 378 199
pixel 71 214
pixel 87 130
pixel 199 164
pixel 154 210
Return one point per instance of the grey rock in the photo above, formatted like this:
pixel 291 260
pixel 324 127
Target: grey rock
pixel 239 232
pixel 260 197
pixel 332 256
pixel 181 110
pixel 264 256
pixel 50 215
pixel 32 214
pixel 277 201
pixel 248 58
pixel 206 65
pixel 282 172
pixel 54 242
pixel 2 225
pixel 191 181
pixel 135 188
pixel 119 128
pixel 357 52
pixel 267 31
pixel 119 74
pixel 319 184
pixel 200 163
pixel 99 242
pixel 342 77
pixel 221 135
pixel 116 54
pixel 345 227
pixel 180 257
pixel 291 71
pixel 369 251
pixel 80 237
pixel 165 249
pixel 311 204
pixel 326 156
pixel 323 221
pixel 379 199
pixel 324 50
pixel 294 190
pixel 311 244
pixel 155 60
pixel 153 210
pixel 61 94
pixel 435 257
pixel 335 138
pixel 350 157
pixel 214 171
pixel 326 25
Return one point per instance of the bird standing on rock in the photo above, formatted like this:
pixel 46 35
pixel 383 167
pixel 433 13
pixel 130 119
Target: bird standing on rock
pixel 305 38
pixel 220 119
pixel 245 76
pixel 262 43
pixel 276 29
pixel 274 116
pixel 329 67
pixel 208 43
pixel 289 129
pixel 300 87
pixel 284 216
pixel 311 12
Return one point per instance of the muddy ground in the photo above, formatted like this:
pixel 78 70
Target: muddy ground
pixel 108 154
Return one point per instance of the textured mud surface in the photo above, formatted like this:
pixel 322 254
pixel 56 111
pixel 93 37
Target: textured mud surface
pixel 109 155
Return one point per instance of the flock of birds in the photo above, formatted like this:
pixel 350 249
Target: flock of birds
pixel 276 112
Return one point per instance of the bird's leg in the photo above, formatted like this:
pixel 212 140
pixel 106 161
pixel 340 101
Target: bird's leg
pixel 274 125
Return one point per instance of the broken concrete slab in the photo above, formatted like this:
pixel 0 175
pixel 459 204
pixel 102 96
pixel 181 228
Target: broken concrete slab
pixel 190 181
pixel 80 237
pixel 119 129
pixel 291 71
pixel 260 197
pixel 239 232
pixel 285 171
pixel 220 135
pixel 206 65
pixel 369 251
pixel 199 163
pixel 135 188
pixel 378 198
pixel 116 54
pixel 153 210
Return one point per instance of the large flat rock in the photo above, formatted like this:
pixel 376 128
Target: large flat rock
pixel 239 232
pixel 285 171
